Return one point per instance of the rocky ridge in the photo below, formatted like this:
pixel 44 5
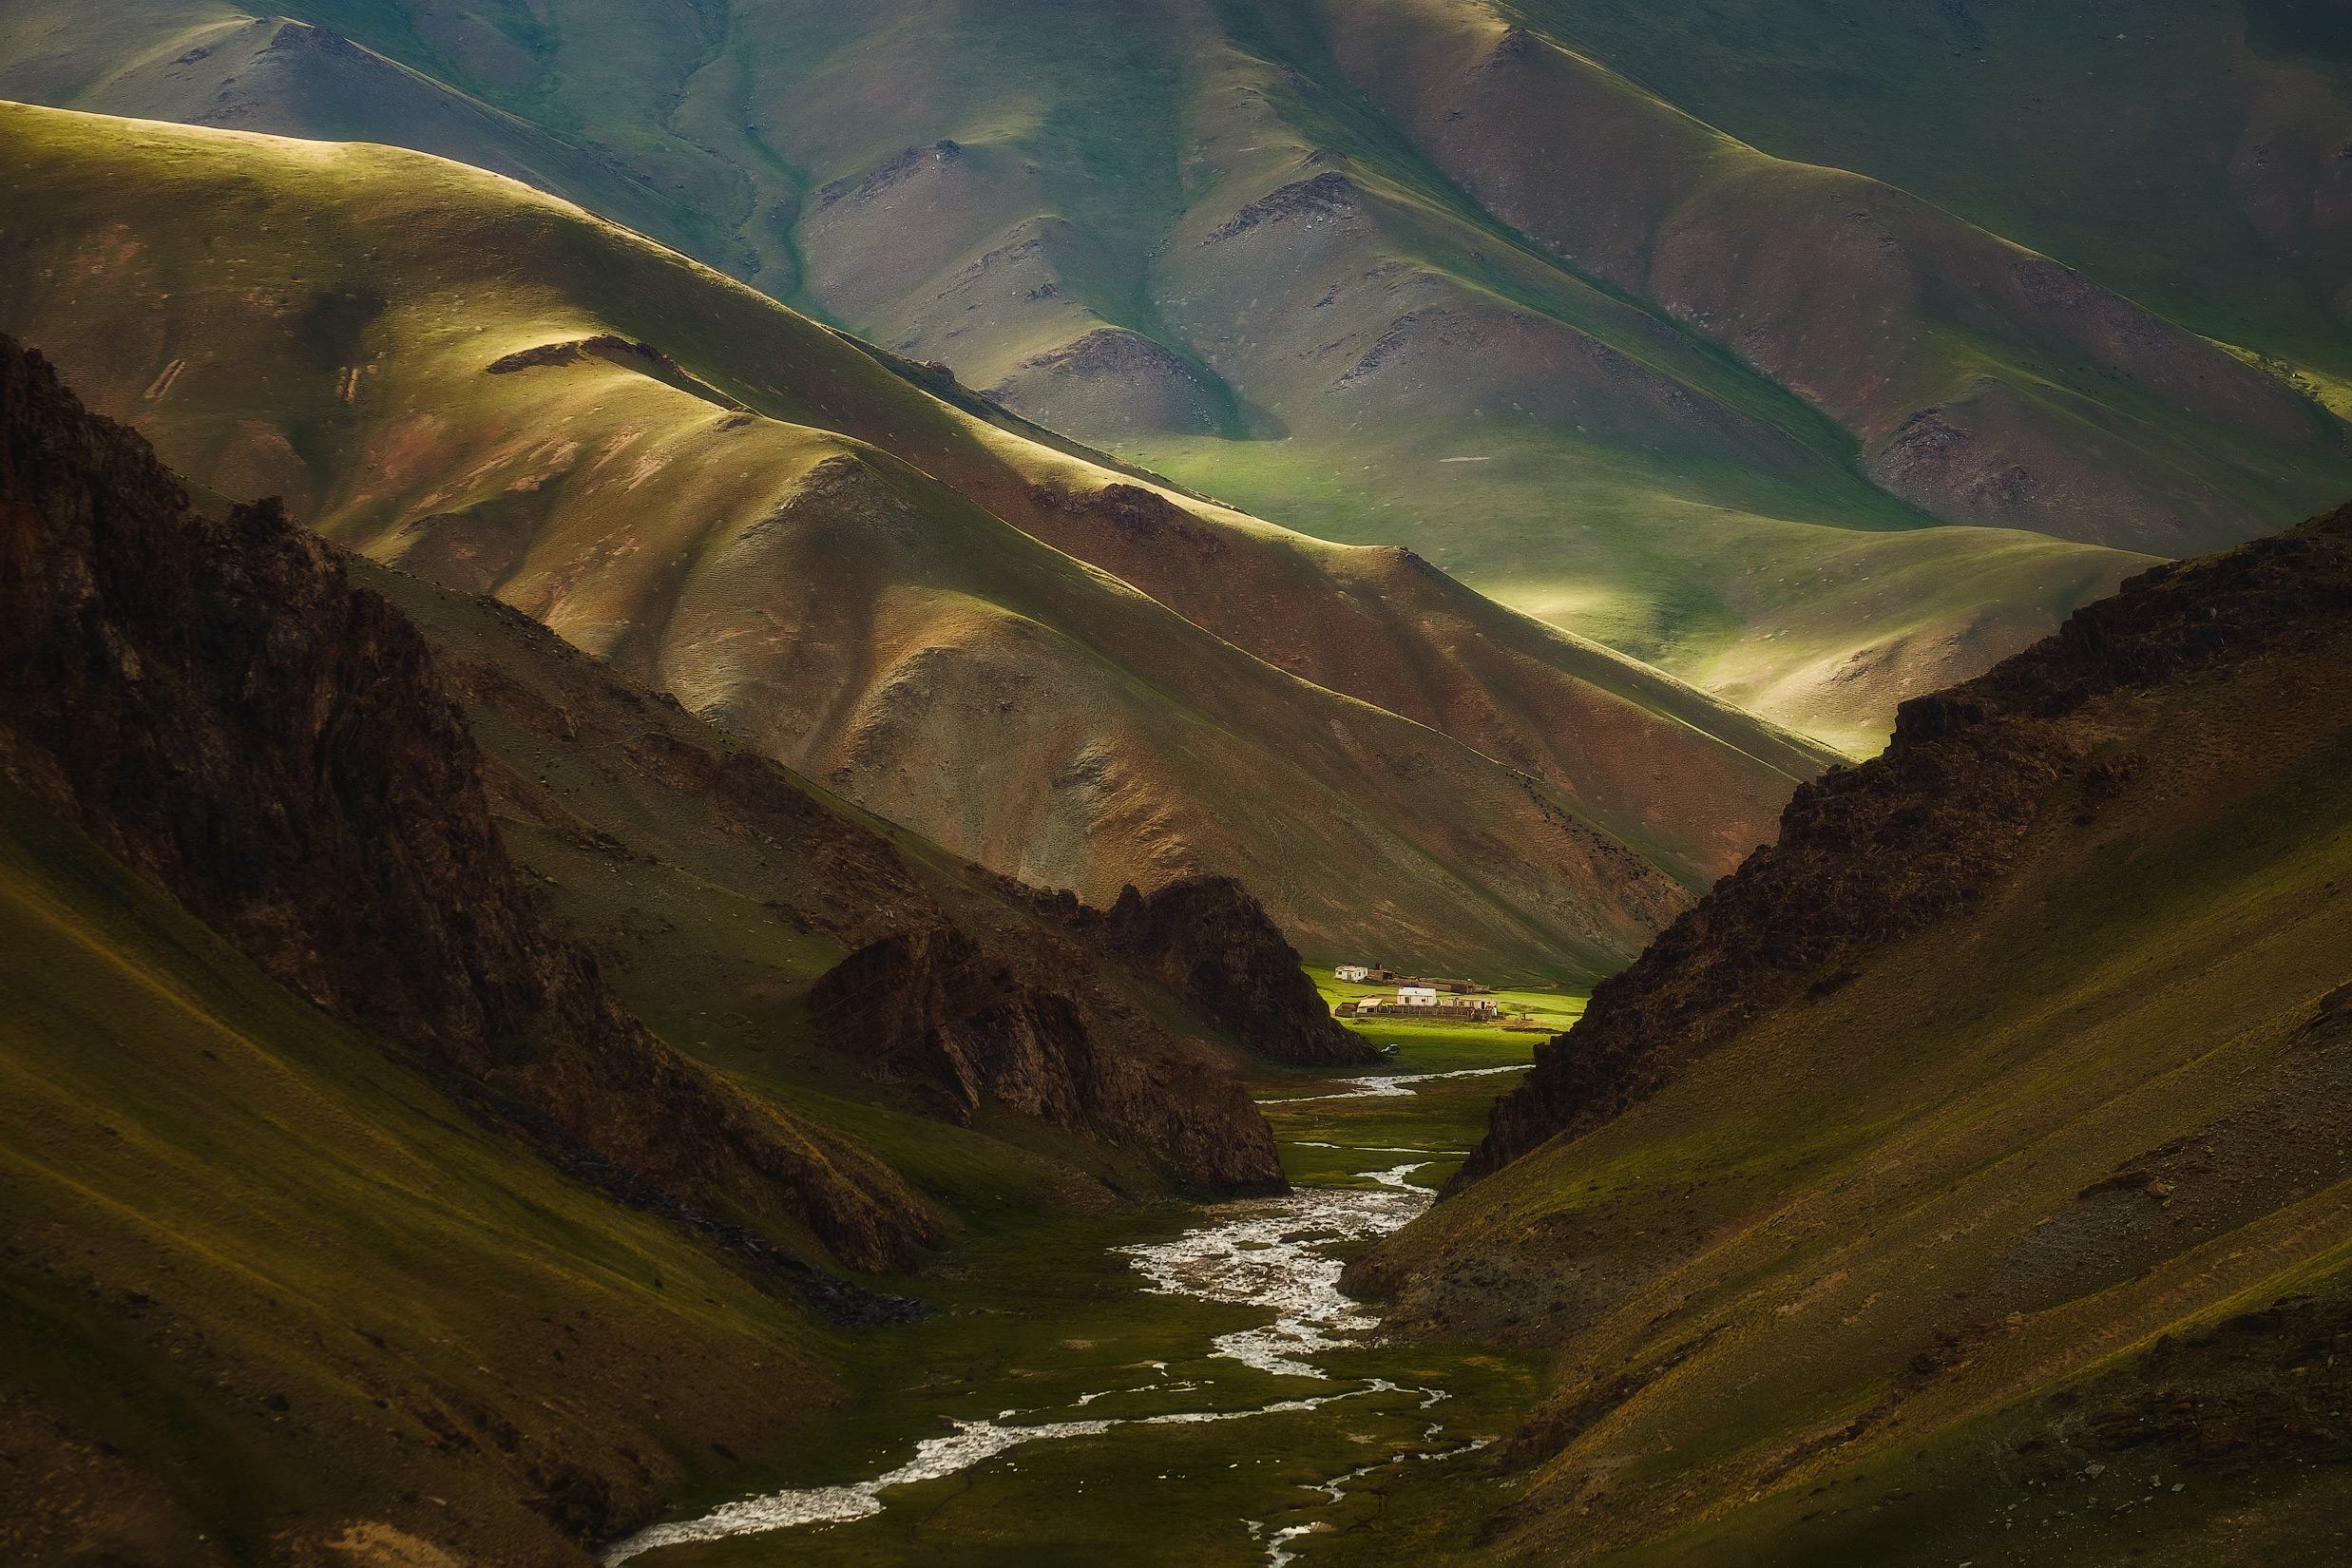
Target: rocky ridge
pixel 1869 853
pixel 219 705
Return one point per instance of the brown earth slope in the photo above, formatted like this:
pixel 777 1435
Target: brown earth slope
pixel 734 902
pixel 1494 283
pixel 838 569
pixel 1953 356
pixel 1969 1171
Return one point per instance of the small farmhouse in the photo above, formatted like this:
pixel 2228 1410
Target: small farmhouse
pixel 1355 973
pixel 1423 1002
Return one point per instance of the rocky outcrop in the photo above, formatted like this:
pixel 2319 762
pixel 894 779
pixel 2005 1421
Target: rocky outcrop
pixel 1208 941
pixel 1026 1024
pixel 890 172
pixel 972 992
pixel 1108 382
pixel 643 359
pixel 1324 197
pixel 219 707
pixel 1870 853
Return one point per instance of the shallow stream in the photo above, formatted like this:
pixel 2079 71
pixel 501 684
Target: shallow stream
pixel 1178 1387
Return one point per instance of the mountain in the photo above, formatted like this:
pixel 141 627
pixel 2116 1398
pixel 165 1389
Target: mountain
pixel 1968 1168
pixel 215 707
pixel 1820 358
pixel 330 1081
pixel 865 580
pixel 779 931
pixel 296 1063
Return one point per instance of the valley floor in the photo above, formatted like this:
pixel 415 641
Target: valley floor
pixel 1174 1386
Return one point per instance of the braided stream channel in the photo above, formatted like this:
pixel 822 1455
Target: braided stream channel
pixel 1165 1386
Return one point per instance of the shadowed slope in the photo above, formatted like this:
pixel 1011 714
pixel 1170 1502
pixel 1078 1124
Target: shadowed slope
pixel 265 1234
pixel 1956 359
pixel 1878 852
pixel 1973 1130
pixel 217 707
pixel 2214 127
pixel 255 1275
pixel 283 1225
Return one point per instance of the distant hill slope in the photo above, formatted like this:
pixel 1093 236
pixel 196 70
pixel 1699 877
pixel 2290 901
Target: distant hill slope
pixel 733 903
pixel 730 503
pixel 1971 1168
pixel 1470 279
pixel 2076 133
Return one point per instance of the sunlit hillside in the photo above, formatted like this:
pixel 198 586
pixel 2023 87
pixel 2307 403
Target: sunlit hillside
pixel 492 390
pixel 1680 327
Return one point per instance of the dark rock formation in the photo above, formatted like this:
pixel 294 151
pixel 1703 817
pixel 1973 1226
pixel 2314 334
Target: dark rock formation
pixel 1324 197
pixel 1144 516
pixel 1212 944
pixel 890 172
pixel 217 706
pixel 1210 941
pixel 643 359
pixel 1022 1020
pixel 1869 853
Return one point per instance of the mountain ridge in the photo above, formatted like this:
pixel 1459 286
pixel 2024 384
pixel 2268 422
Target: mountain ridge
pixel 1643 455
pixel 1986 1130
pixel 617 506
pixel 1967 769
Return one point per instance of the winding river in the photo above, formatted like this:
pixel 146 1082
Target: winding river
pixel 1273 1256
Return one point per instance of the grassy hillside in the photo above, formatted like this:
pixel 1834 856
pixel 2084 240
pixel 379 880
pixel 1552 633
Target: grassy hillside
pixel 752 514
pixel 2011 1220
pixel 1331 260
pixel 256 1275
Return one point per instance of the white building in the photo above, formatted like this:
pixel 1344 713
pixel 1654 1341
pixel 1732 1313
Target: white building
pixel 1417 996
pixel 1355 972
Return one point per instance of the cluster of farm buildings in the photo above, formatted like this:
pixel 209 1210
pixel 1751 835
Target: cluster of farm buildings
pixel 1416 998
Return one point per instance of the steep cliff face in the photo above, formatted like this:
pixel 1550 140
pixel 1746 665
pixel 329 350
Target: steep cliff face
pixel 216 705
pixel 1872 853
